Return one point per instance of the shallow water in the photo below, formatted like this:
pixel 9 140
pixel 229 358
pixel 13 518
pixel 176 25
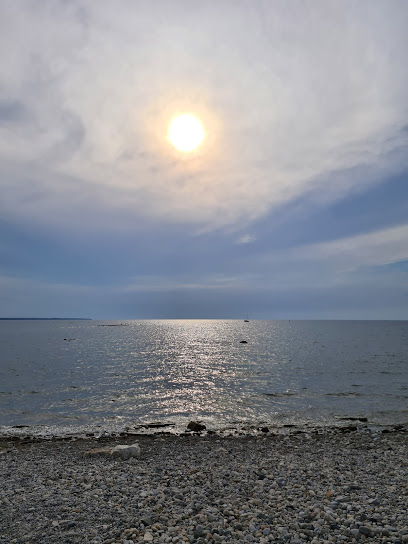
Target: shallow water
pixel 84 374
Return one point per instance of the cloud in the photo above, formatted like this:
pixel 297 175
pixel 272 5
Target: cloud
pixel 246 239
pixel 11 111
pixel 360 262
pixel 296 101
pixel 186 282
pixel 379 248
pixel 147 296
pixel 24 297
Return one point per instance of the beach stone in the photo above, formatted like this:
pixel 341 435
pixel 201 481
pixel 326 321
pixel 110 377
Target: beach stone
pixel 97 452
pixel 365 530
pixel 373 502
pixel 196 426
pixel 126 452
pixel 207 490
pixel 198 531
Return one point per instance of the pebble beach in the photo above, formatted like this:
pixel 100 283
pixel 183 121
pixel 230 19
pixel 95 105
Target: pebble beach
pixel 316 487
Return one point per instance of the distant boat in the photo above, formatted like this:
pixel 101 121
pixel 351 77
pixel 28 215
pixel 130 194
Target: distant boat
pixel 246 320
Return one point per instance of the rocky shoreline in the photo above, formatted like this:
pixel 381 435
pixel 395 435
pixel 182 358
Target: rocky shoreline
pixel 301 487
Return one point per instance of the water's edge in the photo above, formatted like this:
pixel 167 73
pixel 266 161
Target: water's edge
pixel 41 432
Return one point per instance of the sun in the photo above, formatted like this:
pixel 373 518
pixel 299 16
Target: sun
pixel 186 132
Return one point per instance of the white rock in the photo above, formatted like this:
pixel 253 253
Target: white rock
pixel 148 537
pixel 125 451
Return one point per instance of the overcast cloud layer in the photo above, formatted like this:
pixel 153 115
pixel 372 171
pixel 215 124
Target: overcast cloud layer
pixel 305 109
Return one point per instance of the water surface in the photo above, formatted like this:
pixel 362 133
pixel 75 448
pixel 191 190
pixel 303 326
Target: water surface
pixel 73 374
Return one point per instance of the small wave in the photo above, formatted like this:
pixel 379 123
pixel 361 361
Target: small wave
pixel 345 394
pixel 351 418
pixel 284 394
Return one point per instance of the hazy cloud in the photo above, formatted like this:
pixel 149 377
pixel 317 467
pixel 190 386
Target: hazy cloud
pixel 246 239
pixel 354 261
pixel 378 248
pixel 289 96
pixel 11 111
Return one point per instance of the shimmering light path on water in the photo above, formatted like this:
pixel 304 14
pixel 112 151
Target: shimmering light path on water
pixel 87 373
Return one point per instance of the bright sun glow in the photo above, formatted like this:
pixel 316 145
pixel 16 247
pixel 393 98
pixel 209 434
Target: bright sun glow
pixel 186 132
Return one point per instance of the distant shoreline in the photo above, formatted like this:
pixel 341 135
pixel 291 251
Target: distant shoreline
pixel 45 319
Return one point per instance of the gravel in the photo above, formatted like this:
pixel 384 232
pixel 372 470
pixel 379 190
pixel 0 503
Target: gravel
pixel 317 488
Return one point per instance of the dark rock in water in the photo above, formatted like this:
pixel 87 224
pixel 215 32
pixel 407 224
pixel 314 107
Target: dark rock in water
pixel 115 325
pixel 196 426
pixel 362 419
pixel 265 429
pixel 157 425
pixel 243 342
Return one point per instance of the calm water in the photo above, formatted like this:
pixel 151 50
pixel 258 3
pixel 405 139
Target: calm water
pixel 301 372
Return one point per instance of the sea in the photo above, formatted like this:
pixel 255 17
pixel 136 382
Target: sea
pixel 67 377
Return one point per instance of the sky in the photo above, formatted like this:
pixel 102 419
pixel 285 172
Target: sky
pixel 295 206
